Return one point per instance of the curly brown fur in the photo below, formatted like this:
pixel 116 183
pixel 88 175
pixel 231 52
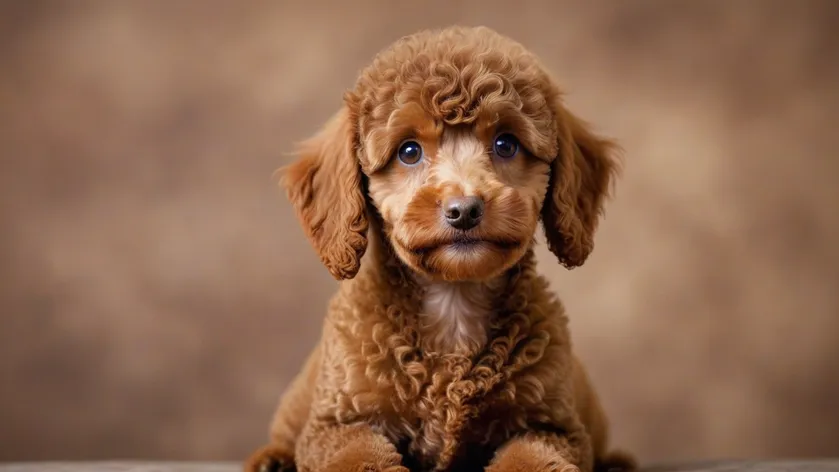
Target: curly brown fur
pixel 443 348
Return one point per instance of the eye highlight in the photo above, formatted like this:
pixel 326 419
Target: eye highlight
pixel 409 153
pixel 505 146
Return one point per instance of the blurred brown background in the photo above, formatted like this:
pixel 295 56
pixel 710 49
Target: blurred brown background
pixel 156 293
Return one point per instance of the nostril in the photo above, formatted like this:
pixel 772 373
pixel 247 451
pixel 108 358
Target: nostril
pixel 475 213
pixel 452 211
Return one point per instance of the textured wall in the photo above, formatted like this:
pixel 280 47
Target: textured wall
pixel 156 294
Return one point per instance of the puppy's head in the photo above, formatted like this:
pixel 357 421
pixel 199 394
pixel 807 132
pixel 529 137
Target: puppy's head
pixel 458 140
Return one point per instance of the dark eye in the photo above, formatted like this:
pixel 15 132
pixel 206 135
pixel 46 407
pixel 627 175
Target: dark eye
pixel 410 153
pixel 505 146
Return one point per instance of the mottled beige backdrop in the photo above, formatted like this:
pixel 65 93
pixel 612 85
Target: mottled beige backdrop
pixel 156 293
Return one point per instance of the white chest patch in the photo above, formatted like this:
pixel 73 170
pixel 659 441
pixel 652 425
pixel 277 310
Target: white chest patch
pixel 457 316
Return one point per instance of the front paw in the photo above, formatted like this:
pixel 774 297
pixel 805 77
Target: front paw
pixel 530 465
pixel 270 459
pixel 530 457
pixel 357 458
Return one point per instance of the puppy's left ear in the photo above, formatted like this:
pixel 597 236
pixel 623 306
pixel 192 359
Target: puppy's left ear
pixel 581 175
pixel 325 187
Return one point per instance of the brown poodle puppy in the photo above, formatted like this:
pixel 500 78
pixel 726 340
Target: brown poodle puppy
pixel 445 350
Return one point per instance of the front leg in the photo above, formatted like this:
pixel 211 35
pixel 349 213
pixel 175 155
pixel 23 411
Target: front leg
pixel 270 458
pixel 328 447
pixel 544 452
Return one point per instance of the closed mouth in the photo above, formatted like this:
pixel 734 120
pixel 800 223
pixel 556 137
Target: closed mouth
pixel 467 242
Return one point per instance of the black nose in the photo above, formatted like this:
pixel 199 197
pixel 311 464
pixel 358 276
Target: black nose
pixel 463 212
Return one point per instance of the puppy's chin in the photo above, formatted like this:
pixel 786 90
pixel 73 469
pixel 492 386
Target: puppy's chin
pixel 472 261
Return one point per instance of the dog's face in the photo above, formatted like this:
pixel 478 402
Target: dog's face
pixel 459 142
pixel 459 202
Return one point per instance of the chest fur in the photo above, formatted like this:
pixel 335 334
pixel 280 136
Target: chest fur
pixel 455 317
pixel 449 416
pixel 450 376
pixel 459 394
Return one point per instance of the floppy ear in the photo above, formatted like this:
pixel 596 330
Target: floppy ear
pixel 325 188
pixel 579 186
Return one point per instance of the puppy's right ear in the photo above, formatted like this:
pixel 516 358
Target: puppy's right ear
pixel 324 186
